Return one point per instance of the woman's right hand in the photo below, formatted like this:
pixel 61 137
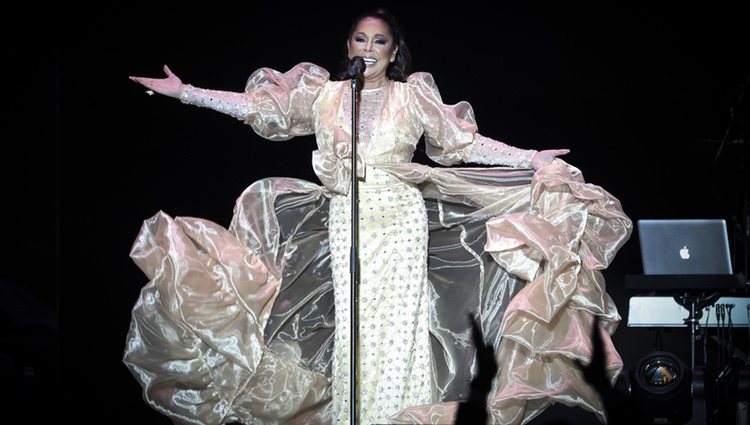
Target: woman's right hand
pixel 171 86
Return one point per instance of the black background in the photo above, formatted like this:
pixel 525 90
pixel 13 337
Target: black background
pixel 640 94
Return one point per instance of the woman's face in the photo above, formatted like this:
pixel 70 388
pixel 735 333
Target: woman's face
pixel 372 41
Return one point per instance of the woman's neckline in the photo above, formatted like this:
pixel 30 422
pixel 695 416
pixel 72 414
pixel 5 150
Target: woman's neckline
pixel 374 89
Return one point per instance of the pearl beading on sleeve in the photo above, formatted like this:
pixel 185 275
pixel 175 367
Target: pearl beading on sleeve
pixel 487 151
pixel 230 103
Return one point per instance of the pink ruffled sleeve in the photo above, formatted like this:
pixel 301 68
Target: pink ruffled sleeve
pixel 281 104
pixel 449 129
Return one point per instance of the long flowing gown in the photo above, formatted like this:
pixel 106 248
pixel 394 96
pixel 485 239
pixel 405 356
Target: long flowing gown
pixel 240 324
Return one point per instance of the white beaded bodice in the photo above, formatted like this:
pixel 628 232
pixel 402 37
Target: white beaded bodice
pixel 370 104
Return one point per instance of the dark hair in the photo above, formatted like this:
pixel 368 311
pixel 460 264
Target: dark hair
pixel 398 70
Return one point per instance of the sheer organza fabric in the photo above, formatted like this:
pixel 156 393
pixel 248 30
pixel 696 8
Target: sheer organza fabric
pixel 237 324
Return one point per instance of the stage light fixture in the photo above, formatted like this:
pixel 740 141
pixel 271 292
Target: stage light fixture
pixel 661 389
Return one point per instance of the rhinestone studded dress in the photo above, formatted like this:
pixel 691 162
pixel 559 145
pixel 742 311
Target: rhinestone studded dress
pixel 394 355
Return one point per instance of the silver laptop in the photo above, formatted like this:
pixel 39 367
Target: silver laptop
pixel 684 246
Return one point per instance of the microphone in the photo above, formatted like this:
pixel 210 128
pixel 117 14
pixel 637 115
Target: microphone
pixel 356 66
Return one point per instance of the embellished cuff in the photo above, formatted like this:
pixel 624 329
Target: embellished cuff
pixel 487 151
pixel 230 103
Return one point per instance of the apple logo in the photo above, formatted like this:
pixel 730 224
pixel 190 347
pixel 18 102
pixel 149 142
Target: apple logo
pixel 684 253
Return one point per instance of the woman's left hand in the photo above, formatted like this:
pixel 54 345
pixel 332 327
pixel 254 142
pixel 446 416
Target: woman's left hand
pixel 545 157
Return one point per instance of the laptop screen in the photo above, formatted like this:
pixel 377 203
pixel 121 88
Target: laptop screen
pixel 698 246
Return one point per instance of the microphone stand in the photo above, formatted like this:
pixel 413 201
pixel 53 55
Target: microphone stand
pixel 354 261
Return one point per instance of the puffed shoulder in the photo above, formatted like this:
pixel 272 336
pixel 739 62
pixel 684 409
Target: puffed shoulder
pixel 421 79
pixel 281 104
pixel 304 73
pixel 422 86
pixel 449 129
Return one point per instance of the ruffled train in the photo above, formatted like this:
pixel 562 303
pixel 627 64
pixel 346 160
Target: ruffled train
pixel 237 324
